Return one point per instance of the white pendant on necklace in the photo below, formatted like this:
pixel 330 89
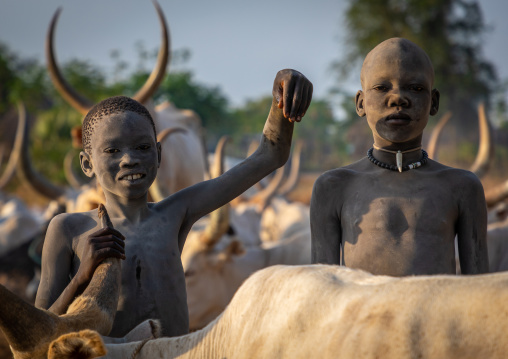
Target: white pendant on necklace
pixel 398 158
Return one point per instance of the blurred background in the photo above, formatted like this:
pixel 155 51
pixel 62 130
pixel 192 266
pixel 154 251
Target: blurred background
pixel 225 55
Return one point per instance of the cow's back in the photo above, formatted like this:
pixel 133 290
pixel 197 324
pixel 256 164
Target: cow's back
pixel 331 311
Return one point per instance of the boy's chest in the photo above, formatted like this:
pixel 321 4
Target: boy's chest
pixel 399 206
pixel 146 240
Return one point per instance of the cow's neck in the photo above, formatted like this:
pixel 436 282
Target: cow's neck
pixel 22 323
pixel 96 307
pixel 205 343
pixel 30 330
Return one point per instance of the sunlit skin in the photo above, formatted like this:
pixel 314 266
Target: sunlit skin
pixel 367 217
pixel 150 236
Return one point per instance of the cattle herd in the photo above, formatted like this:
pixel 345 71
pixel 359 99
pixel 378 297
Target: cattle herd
pixel 290 310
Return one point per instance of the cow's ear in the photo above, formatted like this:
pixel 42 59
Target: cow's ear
pixel 235 248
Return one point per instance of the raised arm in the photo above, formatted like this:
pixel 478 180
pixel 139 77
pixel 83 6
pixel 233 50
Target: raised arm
pixel 292 94
pixel 326 234
pixel 472 228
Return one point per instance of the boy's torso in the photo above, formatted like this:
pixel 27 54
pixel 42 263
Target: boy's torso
pixel 398 223
pixel 153 282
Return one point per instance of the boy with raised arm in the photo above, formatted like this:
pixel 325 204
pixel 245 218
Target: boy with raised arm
pixel 121 150
pixel 396 212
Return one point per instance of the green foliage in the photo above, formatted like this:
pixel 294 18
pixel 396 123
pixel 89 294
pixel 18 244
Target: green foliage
pixel 208 102
pixel 50 135
pixel 319 131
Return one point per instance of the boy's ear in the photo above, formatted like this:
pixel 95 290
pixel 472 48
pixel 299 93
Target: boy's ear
pixel 86 164
pixel 360 110
pixel 434 104
pixel 159 153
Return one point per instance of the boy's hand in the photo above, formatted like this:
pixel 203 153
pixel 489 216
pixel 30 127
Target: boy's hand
pixel 104 243
pixel 293 92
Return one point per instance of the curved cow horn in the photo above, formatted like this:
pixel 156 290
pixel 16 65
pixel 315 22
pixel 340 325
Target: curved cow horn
pixel 294 174
pixel 496 194
pixel 434 136
pixel 81 103
pixel 486 147
pixel 157 75
pixel 17 148
pixel 262 198
pixel 219 219
pixel 29 175
pixel 168 131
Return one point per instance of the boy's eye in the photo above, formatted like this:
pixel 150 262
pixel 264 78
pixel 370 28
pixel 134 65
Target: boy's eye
pixel 144 147
pixel 416 88
pixel 111 150
pixel 380 88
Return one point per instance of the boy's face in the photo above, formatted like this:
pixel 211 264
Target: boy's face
pixel 124 155
pixel 397 95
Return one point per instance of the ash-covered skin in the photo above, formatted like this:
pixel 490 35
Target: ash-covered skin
pixel 392 223
pixel 124 157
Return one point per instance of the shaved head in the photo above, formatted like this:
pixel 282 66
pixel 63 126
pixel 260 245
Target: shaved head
pixel 400 50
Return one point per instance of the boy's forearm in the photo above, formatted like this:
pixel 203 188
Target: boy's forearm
pixel 277 134
pixel 73 289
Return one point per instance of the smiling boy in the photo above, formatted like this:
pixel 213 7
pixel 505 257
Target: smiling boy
pixel 120 149
pixel 397 213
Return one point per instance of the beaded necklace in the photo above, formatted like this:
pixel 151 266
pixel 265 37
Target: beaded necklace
pixel 399 166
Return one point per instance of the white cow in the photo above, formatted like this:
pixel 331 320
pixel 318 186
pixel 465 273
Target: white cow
pixel 219 254
pixel 183 158
pixel 322 311
pixel 215 270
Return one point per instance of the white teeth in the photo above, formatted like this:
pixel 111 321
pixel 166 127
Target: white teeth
pixel 133 177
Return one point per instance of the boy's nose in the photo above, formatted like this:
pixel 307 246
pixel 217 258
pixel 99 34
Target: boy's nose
pixel 397 98
pixel 128 160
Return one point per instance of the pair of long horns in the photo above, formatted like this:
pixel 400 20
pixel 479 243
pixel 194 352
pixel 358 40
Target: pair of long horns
pixel 486 147
pixel 81 103
pixel 24 167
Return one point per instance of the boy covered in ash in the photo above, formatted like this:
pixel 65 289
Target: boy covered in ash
pixel 396 212
pixel 121 150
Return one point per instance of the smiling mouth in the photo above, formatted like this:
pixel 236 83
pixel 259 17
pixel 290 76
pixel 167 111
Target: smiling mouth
pixel 132 177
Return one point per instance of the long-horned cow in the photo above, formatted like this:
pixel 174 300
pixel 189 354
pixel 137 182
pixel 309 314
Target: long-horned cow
pixel 323 311
pixel 183 155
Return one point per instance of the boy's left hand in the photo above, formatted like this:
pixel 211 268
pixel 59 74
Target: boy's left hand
pixel 293 92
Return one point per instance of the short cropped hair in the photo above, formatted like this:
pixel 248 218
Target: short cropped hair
pixel 109 106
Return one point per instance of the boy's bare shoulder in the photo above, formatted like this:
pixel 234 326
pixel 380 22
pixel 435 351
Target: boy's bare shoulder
pixel 71 225
pixel 456 177
pixel 332 184
pixel 343 175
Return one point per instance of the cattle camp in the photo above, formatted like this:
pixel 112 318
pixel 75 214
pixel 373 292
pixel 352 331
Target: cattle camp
pixel 292 179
